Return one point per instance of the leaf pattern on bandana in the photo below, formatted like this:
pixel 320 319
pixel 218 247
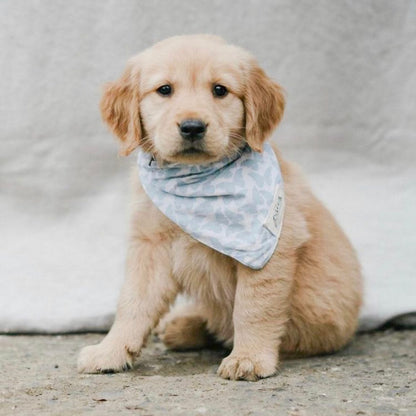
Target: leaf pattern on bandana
pixel 224 204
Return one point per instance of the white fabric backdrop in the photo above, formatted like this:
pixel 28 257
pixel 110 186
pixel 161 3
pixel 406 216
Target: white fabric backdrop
pixel 349 71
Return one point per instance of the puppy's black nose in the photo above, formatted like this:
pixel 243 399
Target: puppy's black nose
pixel 192 129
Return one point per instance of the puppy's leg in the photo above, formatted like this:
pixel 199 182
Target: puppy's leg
pixel 260 316
pixel 146 294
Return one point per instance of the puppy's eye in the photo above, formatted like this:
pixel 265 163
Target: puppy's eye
pixel 165 90
pixel 219 90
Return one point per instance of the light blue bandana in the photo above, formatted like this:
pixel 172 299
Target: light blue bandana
pixel 234 206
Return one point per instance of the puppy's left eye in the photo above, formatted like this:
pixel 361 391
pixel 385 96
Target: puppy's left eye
pixel 219 90
pixel 165 90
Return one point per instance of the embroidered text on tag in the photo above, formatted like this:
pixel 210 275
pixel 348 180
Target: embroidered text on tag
pixel 274 218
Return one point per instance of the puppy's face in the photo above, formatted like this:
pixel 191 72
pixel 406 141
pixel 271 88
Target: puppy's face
pixel 192 99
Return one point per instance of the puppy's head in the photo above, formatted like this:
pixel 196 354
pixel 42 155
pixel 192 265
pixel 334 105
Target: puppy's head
pixel 192 99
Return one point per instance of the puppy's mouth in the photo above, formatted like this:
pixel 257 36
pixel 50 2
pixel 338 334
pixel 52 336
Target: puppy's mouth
pixel 193 154
pixel 192 151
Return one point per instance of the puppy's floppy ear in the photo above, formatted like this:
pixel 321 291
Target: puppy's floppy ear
pixel 120 110
pixel 264 105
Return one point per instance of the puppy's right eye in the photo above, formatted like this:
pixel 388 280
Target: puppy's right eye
pixel 165 90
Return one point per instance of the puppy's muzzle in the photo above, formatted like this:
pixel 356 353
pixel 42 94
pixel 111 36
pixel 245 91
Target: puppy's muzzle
pixel 192 130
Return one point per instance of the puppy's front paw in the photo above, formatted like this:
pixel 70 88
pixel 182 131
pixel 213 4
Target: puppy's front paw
pixel 104 359
pixel 246 367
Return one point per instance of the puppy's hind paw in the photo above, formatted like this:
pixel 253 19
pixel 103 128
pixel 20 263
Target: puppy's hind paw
pixel 102 359
pixel 184 333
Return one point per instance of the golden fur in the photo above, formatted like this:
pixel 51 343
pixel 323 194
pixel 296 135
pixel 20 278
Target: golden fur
pixel 306 299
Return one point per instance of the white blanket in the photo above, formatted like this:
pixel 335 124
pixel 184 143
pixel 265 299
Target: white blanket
pixel 349 72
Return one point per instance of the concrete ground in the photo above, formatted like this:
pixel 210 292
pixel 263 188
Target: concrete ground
pixel 375 375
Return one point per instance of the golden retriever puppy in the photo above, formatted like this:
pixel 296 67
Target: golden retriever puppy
pixel 195 101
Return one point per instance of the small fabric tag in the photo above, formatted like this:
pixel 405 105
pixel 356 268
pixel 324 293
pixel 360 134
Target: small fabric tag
pixel 274 218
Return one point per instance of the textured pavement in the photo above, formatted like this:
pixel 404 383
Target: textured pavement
pixel 374 375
